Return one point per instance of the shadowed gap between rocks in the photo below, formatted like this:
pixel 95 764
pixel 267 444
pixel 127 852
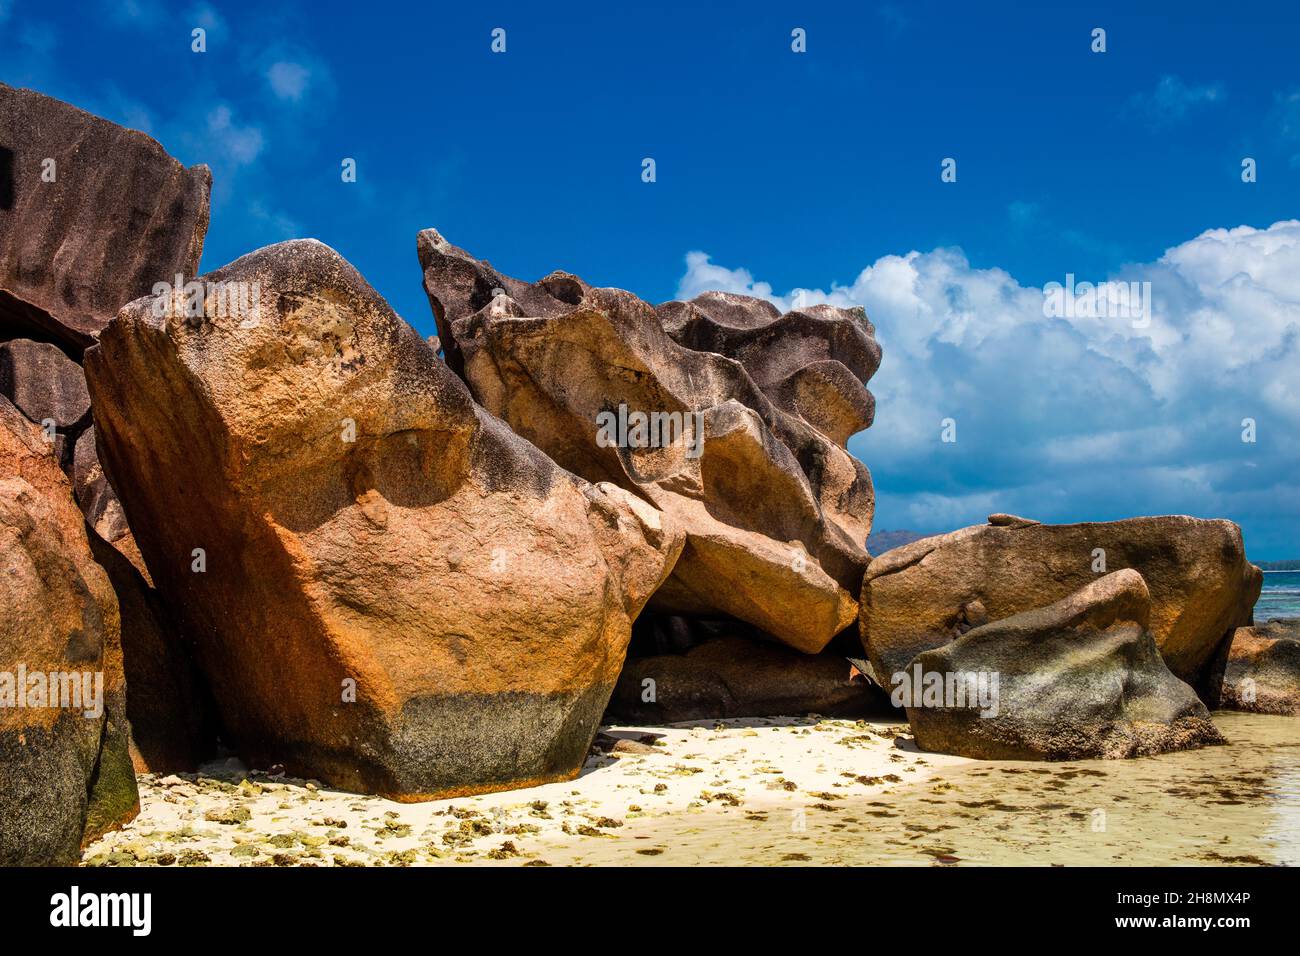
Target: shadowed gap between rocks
pixel 683 668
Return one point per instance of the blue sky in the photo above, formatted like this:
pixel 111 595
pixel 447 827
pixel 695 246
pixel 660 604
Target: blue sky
pixel 815 171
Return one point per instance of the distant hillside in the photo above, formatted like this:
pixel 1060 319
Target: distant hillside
pixel 1291 564
pixel 881 541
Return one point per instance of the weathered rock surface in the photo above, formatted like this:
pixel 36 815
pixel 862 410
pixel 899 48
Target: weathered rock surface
pixel 398 594
pixel 112 216
pixel 923 595
pixel 1262 671
pixel 735 676
pixel 775 509
pixel 812 363
pixel 65 777
pixel 1077 679
pixel 43 383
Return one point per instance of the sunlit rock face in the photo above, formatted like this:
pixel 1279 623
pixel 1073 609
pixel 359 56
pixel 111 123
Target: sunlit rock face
pixel 721 412
pixel 387 589
pixel 65 767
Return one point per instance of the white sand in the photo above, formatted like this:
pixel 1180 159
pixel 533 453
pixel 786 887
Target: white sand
pixel 670 805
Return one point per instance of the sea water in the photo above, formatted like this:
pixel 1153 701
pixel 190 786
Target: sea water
pixel 1280 596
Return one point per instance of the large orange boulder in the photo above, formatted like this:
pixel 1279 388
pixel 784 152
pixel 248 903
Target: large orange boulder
pixel 386 588
pixel 65 769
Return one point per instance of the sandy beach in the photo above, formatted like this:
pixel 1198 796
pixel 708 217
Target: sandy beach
pixel 773 791
pixel 786 773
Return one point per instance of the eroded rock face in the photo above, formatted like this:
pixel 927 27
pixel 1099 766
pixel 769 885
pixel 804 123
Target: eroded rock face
pixel 396 594
pixel 1079 678
pixel 1262 672
pixel 92 215
pixel 925 594
pixel 734 676
pixel 775 509
pixel 65 772
pixel 812 363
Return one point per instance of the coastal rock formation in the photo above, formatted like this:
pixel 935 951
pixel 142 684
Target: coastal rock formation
pixel 65 772
pixel 927 593
pixel 386 588
pixel 812 363
pixel 737 676
pixel 1262 670
pixel 92 215
pixel 1077 679
pixel 720 412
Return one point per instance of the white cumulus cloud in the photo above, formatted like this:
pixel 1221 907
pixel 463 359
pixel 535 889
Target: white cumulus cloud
pixel 288 80
pixel 1080 417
